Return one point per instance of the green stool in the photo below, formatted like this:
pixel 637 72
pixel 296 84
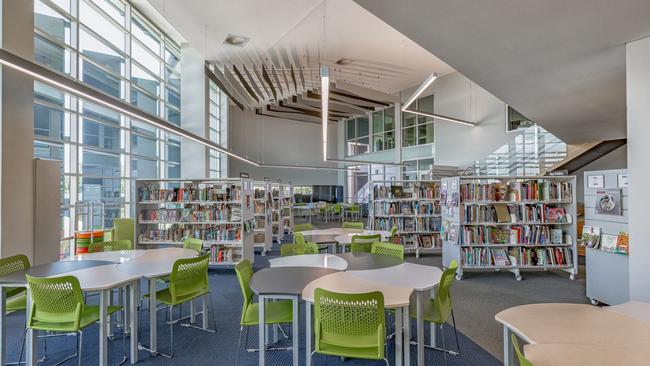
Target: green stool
pixel 439 310
pixel 388 249
pixel 188 282
pixel 363 243
pixel 57 305
pixel 275 312
pixel 349 325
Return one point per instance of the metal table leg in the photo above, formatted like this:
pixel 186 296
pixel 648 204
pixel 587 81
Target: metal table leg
pixel 420 327
pixel 407 337
pixel 295 331
pixel 30 344
pixel 134 299
pixel 399 335
pixel 3 326
pixel 262 330
pixel 508 351
pixel 103 327
pixel 308 333
pixel 153 321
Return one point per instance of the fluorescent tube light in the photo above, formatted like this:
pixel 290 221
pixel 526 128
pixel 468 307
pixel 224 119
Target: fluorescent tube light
pixel 428 81
pixel 324 98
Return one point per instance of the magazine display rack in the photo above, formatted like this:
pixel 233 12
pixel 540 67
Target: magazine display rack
pixel 509 223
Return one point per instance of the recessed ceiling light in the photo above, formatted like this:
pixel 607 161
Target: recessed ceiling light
pixel 344 61
pixel 235 40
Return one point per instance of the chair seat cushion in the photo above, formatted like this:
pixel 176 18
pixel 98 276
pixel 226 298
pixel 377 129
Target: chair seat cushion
pixel 164 296
pixel 370 353
pixel 89 316
pixel 275 312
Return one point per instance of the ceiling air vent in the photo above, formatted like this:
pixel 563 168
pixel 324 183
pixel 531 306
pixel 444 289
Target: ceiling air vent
pixel 235 40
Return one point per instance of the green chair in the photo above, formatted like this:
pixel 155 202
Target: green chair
pixel 336 209
pixel 439 309
pixel 188 282
pixel 193 243
pixel 393 234
pixel 302 227
pixel 353 225
pixel 355 211
pixel 363 243
pixel 57 305
pixel 298 249
pixel 388 249
pixel 109 246
pixel 298 238
pixel 350 325
pixel 275 312
pixel 124 229
pixel 523 361
pixel 16 298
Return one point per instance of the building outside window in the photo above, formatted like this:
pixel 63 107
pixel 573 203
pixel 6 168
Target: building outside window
pixel 417 169
pixel 383 129
pixel 218 131
pixel 357 140
pixel 516 121
pixel 416 129
pixel 110 46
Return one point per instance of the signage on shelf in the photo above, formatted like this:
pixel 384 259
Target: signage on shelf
pixel 558 173
pixel 243 175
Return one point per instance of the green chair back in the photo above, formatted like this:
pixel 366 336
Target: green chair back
pixel 109 246
pixel 56 301
pixel 350 325
pixel 388 249
pixel 298 249
pixel 363 243
pixel 442 302
pixel 336 208
pixel 193 243
pixel 13 264
pixel 298 238
pixel 244 270
pixel 353 225
pixel 302 227
pixel 124 229
pixel 393 233
pixel 523 361
pixel 355 208
pixel 189 278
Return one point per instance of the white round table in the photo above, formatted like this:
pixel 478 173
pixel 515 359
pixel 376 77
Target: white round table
pixel 311 260
pixel 330 236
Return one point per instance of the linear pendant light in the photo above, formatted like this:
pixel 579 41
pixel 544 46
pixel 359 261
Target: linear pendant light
pixel 425 84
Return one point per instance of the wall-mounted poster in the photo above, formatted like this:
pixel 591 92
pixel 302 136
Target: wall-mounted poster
pixel 596 181
pixel 623 181
pixel 608 202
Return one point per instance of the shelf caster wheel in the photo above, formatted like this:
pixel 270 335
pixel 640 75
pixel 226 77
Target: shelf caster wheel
pixel 459 277
pixel 593 302
pixel 264 253
pixel 518 277
pixel 572 277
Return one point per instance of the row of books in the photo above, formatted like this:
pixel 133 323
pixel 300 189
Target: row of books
pixel 196 213
pixel 428 241
pixel 516 235
pixel 592 238
pixel 531 190
pixel 519 213
pixel 407 208
pixel 406 224
pixel 216 192
pixel 422 190
pixel 499 257
pixel 222 254
pixel 178 234
pixel 484 257
pixel 259 193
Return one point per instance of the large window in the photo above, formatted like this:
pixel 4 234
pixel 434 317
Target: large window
pixel 417 129
pixel 417 169
pixel 383 129
pixel 110 46
pixel 357 131
pixel 218 131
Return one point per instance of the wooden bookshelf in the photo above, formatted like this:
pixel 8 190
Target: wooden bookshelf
pixel 262 210
pixel 219 211
pixel 414 206
pixel 492 223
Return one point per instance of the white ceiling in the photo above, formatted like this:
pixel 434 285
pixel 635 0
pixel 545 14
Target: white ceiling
pixel 560 63
pixel 292 32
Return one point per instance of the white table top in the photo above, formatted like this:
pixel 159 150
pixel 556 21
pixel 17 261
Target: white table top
pixel 346 238
pixel 577 324
pixel 583 354
pixel 311 260
pixel 416 276
pixel 635 309
pixel 119 256
pixel 345 282
pixel 101 277
pixel 155 262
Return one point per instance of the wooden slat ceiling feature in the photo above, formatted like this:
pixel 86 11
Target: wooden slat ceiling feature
pixel 243 81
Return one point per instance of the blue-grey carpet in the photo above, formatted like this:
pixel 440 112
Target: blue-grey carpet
pixel 194 347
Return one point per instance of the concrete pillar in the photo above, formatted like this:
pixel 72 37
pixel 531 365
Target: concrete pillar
pixel 638 150
pixel 17 133
pixel 194 113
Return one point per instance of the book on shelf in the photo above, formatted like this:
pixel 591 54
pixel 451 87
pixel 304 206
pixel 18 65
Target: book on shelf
pixel 608 242
pixel 178 232
pixel 623 243
pixel 221 254
pixel 518 190
pixel 591 236
pixel 502 212
pixel 397 191
pixel 514 213
pixel 189 192
pixel 428 241
pixel 543 256
pixel 513 235
pixel 500 258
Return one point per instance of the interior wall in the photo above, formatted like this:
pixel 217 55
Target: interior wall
pixel 638 150
pixel 279 141
pixel 194 111
pixel 616 159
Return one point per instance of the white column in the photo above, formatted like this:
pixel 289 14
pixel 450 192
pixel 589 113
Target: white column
pixel 17 133
pixel 638 150
pixel 194 112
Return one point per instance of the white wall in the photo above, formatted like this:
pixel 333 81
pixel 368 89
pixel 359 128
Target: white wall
pixel 194 111
pixel 280 141
pixel 616 159
pixel 638 151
